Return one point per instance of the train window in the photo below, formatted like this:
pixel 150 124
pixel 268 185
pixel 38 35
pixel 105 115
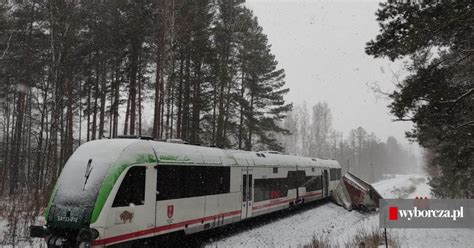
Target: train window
pixel 244 190
pixel 175 181
pixel 205 180
pixel 275 169
pixel 132 189
pixel 250 188
pixel 312 183
pixel 169 182
pixel 335 174
pixel 266 189
pixel 312 169
pixel 296 178
pixel 262 190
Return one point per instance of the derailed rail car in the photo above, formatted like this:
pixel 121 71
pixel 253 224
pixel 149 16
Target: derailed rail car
pixel 129 191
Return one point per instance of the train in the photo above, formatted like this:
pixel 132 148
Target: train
pixel 128 192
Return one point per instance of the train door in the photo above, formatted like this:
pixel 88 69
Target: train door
pixel 325 182
pixel 247 193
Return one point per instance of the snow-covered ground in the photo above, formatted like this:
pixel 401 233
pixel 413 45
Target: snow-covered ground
pixel 22 240
pixel 334 223
pixel 401 186
pixel 337 225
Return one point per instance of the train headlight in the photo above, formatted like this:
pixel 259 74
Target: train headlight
pixel 88 234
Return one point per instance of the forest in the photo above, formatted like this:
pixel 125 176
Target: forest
pixel 359 151
pixel 75 71
pixel 203 71
pixel 435 38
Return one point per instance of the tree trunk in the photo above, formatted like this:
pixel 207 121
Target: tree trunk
pixel 16 142
pixel 139 81
pixel 169 106
pixel 69 121
pixel 39 158
pixel 227 115
pixel 157 116
pixel 6 136
pixel 224 83
pixel 133 84
pixel 89 92
pixel 241 122
pixel 180 98
pixel 250 125
pixel 96 98
pixel 115 104
pixel 127 114
pixel 186 102
pixel 214 115
pixel 196 106
pixel 157 107
pixel 103 96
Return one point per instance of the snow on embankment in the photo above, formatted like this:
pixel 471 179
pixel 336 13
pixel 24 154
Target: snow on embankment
pixel 338 225
pixel 403 187
pixel 328 220
pixel 15 222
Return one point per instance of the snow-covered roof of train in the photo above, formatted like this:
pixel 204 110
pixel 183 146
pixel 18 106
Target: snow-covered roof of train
pixel 190 154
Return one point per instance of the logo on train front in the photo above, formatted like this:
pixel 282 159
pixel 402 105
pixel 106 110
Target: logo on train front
pixel 126 216
pixel 170 211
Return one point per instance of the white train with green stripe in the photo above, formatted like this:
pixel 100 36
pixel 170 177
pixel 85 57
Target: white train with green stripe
pixel 134 192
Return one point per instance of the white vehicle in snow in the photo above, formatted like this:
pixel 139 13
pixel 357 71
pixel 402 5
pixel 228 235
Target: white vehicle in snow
pixel 128 192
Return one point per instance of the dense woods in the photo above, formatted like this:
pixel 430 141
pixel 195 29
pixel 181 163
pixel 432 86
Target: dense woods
pixel 202 71
pixel 359 151
pixel 436 37
pixel 75 71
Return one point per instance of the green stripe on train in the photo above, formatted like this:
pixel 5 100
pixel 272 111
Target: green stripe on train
pixel 46 211
pixel 112 178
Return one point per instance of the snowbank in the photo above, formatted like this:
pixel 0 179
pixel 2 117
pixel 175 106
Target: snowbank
pixel 338 225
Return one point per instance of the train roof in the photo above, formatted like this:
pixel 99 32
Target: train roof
pixel 174 153
pixel 104 160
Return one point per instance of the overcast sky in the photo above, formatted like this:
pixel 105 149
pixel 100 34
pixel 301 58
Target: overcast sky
pixel 320 44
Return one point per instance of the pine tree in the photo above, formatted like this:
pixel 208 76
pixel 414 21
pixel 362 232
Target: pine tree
pixel 76 71
pixel 438 95
pixel 263 106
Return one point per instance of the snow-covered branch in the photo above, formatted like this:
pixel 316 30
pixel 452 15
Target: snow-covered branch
pixel 403 119
pixel 8 46
pixel 469 123
pixel 455 101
